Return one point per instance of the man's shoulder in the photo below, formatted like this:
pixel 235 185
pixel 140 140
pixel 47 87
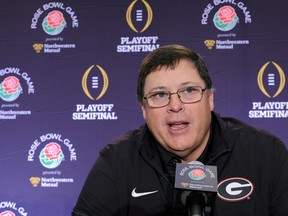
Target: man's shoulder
pixel 233 128
pixel 129 137
pixel 128 141
pixel 232 124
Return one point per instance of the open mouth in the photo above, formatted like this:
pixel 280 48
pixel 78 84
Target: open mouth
pixel 178 125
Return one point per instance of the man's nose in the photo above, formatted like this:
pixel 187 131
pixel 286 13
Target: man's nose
pixel 175 103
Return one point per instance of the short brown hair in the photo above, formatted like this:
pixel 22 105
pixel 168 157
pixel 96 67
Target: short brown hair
pixel 169 56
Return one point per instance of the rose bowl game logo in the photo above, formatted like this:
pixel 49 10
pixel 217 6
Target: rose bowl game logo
pixel 51 155
pixel 54 23
pixel 52 18
pixel 7 213
pixel 10 89
pixel 225 18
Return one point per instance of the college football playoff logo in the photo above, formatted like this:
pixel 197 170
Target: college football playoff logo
pixel 139 16
pixel 282 79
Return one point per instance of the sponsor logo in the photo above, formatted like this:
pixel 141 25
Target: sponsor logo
pixel 235 189
pixel 53 19
pixel 139 22
pixel 35 181
pixel 8 208
pixel 209 43
pixel 13 84
pixel 271 82
pixel 51 148
pixel 38 47
pixel 137 194
pixel 225 16
pixel 95 83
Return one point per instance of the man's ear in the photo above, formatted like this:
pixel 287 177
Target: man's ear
pixel 143 108
pixel 211 100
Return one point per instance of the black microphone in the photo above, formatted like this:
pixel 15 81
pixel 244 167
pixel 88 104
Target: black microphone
pixel 195 202
pixel 199 184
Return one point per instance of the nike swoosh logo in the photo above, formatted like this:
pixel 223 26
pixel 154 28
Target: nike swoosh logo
pixel 135 194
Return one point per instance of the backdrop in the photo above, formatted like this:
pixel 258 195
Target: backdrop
pixel 68 73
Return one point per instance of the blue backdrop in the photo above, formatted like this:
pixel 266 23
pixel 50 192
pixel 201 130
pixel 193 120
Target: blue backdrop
pixel 68 73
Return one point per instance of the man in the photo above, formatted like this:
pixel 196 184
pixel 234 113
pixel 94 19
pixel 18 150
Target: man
pixel 132 176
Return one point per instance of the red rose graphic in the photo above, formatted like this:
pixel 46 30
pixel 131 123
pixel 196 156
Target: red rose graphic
pixel 197 172
pixel 226 14
pixel 55 18
pixel 11 84
pixel 52 151
pixel 7 213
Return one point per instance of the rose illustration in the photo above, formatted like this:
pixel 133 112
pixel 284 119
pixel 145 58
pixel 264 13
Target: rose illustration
pixel 197 174
pixel 54 23
pixel 7 213
pixel 225 18
pixel 10 89
pixel 11 84
pixel 55 18
pixel 51 155
pixel 52 151
pixel 226 14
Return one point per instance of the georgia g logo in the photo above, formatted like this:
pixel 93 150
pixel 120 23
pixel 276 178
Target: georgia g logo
pixel 235 189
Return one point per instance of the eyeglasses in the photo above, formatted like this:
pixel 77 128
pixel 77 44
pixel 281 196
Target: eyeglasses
pixel 187 95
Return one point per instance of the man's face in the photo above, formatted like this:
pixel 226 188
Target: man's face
pixel 182 129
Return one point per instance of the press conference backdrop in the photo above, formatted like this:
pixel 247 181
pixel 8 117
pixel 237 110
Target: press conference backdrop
pixel 68 73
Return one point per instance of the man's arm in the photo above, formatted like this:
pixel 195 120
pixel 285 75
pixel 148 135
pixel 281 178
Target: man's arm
pixel 279 189
pixel 98 195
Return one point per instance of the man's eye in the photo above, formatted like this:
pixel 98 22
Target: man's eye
pixel 158 94
pixel 189 90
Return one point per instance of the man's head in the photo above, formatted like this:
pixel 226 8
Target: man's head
pixel 169 56
pixel 176 96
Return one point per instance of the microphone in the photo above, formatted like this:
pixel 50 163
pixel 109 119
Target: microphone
pixel 195 202
pixel 199 184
